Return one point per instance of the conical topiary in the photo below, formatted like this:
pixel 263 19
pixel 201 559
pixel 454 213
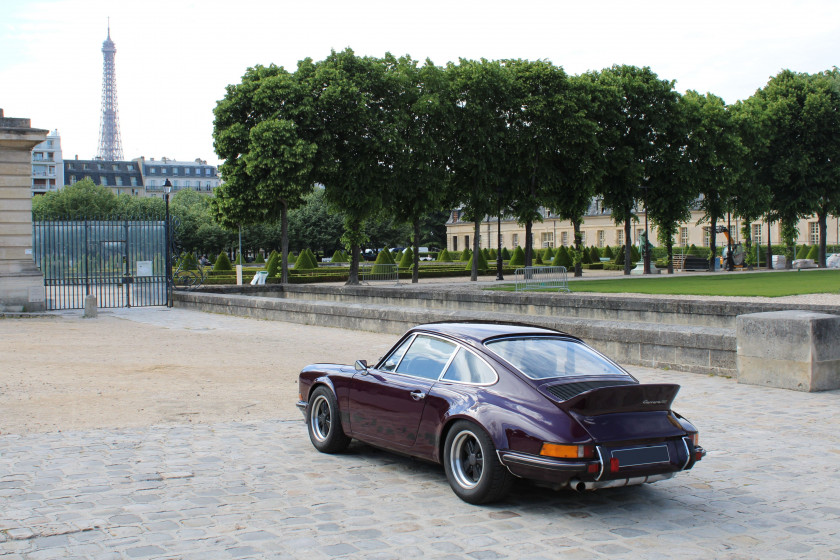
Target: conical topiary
pixel 585 256
pixel 482 262
pixel 635 256
pixel 466 255
pixel 518 257
pixel 188 261
pixel 802 253
pixel 304 261
pixel 273 264
pixel 259 258
pixel 382 260
pixel 692 250
pixel 548 254
pixel 619 255
pixel 312 258
pixel 338 257
pixel 493 254
pixel 222 262
pixel 538 258
pixel 505 254
pixel 407 259
pixel 594 254
pixel 562 258
pixel 444 256
pixel 608 254
pixel 814 253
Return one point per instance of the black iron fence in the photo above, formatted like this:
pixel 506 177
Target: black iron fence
pixel 121 262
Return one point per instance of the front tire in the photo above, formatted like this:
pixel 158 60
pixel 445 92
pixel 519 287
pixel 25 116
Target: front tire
pixel 324 422
pixel 472 467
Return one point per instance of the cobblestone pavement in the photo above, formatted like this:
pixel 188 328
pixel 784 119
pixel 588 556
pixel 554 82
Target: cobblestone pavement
pixel 769 488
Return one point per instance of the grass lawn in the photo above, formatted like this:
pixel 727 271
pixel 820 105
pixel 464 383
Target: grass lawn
pixel 767 284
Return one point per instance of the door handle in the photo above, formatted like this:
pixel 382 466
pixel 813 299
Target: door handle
pixel 418 395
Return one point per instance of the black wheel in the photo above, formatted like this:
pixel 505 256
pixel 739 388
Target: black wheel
pixel 472 466
pixel 324 422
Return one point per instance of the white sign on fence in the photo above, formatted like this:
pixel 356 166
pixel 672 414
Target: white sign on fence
pixel 144 268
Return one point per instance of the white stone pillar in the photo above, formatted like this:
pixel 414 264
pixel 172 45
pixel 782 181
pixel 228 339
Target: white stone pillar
pixel 21 283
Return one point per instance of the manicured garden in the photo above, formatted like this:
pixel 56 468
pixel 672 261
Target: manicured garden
pixel 767 284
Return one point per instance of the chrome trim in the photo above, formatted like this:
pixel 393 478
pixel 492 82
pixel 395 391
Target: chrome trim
pixel 665 445
pixel 600 458
pixel 617 483
pixel 536 461
pixel 687 453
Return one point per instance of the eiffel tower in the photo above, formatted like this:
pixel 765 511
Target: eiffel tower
pixel 110 144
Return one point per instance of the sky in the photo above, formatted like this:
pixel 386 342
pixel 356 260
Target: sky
pixel 175 57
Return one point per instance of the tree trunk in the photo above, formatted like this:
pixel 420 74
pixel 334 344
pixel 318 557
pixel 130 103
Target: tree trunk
pixel 822 218
pixel 712 243
pixel 284 243
pixel 529 242
pixel 415 274
pixel 669 245
pixel 578 249
pixel 476 234
pixel 769 247
pixel 628 243
pixel 353 279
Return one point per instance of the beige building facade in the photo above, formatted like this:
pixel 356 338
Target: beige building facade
pixel 21 283
pixel 598 229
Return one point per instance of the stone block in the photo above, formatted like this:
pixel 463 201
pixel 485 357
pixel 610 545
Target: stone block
pixel 796 350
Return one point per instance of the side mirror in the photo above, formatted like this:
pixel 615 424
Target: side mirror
pixel 361 365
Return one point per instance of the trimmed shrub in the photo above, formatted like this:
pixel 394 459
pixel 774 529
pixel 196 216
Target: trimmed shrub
pixel 594 254
pixel 239 259
pixel 493 255
pixel 814 253
pixel 486 253
pixel 548 254
pixel 273 265
pixel 259 259
pixel 466 255
pixel 693 251
pixel 608 254
pixel 538 258
pixel 619 256
pixel 518 257
pixel 585 258
pixel 635 256
pixel 338 257
pixel 444 256
pixel 383 258
pixel 188 261
pixel 304 262
pixel 562 258
pixel 407 259
pixel 482 262
pixel 802 253
pixel 505 254
pixel 222 262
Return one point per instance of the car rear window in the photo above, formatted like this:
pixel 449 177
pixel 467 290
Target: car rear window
pixel 544 357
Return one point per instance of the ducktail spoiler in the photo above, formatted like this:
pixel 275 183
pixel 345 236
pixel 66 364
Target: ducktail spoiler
pixel 622 398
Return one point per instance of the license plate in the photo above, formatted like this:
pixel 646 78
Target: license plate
pixel 638 456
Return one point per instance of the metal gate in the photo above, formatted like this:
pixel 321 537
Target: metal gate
pixel 121 262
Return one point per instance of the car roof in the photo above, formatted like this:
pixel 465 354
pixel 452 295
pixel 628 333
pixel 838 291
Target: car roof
pixel 478 332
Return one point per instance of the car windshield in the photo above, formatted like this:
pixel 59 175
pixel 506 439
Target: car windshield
pixel 543 357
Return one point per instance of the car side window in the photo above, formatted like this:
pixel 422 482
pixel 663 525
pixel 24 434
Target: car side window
pixel 426 357
pixel 395 357
pixel 469 368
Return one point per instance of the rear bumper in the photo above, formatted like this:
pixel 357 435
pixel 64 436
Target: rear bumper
pixel 301 405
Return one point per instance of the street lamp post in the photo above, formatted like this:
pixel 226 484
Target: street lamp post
pixel 167 188
pixel 646 251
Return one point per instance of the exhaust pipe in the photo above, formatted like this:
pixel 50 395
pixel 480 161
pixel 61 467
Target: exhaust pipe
pixel 579 485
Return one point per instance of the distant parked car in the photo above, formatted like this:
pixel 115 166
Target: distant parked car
pixel 492 402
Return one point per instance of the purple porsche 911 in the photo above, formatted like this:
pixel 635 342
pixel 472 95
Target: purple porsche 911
pixel 493 402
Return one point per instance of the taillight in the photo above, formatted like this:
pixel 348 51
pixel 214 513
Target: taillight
pixel 694 438
pixel 563 451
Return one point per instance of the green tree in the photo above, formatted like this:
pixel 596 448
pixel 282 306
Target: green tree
pixel 716 153
pixel 352 137
pixel 315 224
pixel 268 154
pixel 633 107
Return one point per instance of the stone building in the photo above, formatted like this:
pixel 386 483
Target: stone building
pixel 599 229
pixel 196 175
pixel 123 177
pixel 47 165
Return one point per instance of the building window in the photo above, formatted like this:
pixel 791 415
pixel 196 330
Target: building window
pixel 684 237
pixel 207 171
pixel 619 237
pixel 813 233
pixel 564 238
pixel 707 236
pixel 602 238
pixel 515 240
pixel 174 170
pixel 583 238
pixel 547 239
pixel 104 181
pixel 466 242
pixel 153 170
pixel 454 242
pixel 186 171
pixel 119 181
pixel 756 232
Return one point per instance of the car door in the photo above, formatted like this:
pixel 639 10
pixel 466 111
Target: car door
pixel 386 404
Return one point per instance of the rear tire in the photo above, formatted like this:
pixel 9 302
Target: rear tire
pixel 472 467
pixel 324 422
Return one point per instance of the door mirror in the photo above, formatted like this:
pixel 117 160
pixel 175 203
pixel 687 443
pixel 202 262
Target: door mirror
pixel 361 365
